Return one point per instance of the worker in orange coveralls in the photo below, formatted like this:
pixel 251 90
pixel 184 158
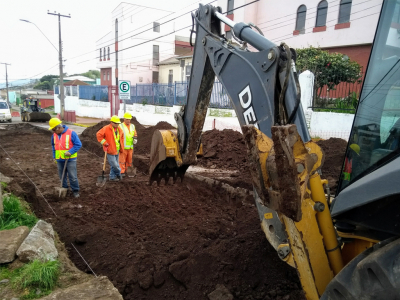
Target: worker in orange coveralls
pixel 111 138
pixel 130 139
pixel 348 163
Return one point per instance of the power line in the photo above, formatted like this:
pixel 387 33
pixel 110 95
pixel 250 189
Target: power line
pixel 313 17
pixel 165 34
pixel 151 28
pixel 290 36
pixel 151 23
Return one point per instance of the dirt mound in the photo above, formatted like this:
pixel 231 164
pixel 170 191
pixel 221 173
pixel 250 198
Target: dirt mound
pixel 334 150
pixel 90 132
pixel 167 242
pixel 146 134
pixel 224 149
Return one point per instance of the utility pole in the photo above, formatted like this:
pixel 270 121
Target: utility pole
pixel 116 67
pixel 8 101
pixel 61 95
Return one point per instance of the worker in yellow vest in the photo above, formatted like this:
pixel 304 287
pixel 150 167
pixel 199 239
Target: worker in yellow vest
pixel 130 134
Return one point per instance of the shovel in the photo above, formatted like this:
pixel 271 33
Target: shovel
pixel 133 169
pixel 101 180
pixel 62 192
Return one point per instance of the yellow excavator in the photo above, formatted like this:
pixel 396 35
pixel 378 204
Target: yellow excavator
pixel 343 247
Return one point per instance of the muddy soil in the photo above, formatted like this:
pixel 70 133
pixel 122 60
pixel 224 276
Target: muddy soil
pixel 167 242
pixel 334 150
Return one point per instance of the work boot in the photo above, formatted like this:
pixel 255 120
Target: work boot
pixel 76 195
pixel 119 177
pixel 123 175
pixel 114 179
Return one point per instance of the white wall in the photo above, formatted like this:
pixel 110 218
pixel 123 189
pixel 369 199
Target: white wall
pixel 329 124
pixel 84 108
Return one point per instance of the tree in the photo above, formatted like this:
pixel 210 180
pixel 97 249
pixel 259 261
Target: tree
pixel 329 69
pixel 92 74
pixel 46 82
pixel 45 85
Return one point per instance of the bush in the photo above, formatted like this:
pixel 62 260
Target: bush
pixel 15 214
pixel 35 279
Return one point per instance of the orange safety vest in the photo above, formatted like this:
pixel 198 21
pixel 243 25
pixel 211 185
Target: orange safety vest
pixel 63 145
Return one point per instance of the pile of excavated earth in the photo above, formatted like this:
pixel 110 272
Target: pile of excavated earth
pixel 190 240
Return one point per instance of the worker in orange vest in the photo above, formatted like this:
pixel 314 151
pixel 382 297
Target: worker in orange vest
pixel 111 137
pixel 348 162
pixel 130 139
pixel 65 144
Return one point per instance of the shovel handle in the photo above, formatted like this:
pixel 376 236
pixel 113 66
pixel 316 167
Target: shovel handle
pixel 63 174
pixel 104 164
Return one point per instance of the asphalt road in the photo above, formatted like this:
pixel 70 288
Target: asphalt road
pixel 77 129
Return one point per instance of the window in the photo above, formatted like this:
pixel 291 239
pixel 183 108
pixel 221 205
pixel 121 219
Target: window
pixel 104 54
pixel 104 75
pixel 322 11
pixel 188 69
pixel 156 27
pixel 376 128
pixel 100 54
pixel 230 7
pixel 301 18
pixel 170 77
pixel 344 11
pixel 108 75
pixel 108 53
pixel 156 55
pixel 155 77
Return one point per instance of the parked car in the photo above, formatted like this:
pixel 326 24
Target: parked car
pixel 5 112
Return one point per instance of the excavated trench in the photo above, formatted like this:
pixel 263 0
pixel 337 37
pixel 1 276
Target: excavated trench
pixel 156 242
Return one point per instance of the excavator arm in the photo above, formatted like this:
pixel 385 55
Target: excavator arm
pixel 264 90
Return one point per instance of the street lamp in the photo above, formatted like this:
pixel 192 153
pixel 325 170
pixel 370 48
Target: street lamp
pixel 40 31
pixel 61 95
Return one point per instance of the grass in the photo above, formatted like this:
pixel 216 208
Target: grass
pixel 15 214
pixel 34 280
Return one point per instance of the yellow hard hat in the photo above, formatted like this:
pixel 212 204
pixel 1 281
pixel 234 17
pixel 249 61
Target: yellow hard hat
pixel 127 115
pixel 355 148
pixel 115 119
pixel 54 122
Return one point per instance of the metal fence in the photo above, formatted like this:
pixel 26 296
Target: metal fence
pixel 97 93
pixel 156 94
pixel 174 94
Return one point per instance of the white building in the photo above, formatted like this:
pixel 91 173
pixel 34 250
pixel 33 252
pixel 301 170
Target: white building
pixel 345 26
pixel 148 32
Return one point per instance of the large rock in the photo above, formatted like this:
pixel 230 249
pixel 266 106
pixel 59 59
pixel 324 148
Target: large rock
pixel 220 293
pixel 39 244
pixel 99 288
pixel 10 241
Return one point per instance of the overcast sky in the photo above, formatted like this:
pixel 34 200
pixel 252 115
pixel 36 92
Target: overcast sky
pixel 31 55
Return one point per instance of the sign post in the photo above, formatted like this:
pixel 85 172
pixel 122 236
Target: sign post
pixel 124 87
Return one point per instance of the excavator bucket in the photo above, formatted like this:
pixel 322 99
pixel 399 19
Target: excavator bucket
pixel 165 158
pixel 39 117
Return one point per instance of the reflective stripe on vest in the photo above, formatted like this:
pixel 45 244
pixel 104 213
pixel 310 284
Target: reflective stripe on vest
pixel 63 145
pixel 116 137
pixel 128 136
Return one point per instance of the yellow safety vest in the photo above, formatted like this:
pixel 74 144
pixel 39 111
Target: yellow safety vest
pixel 63 145
pixel 116 137
pixel 128 136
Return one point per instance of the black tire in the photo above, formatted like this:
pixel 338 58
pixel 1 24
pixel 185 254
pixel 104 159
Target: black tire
pixel 372 275
pixel 10 120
